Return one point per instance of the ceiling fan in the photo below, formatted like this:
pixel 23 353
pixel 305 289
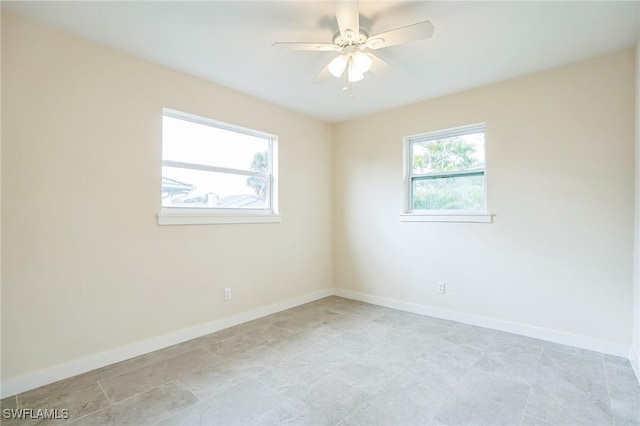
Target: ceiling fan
pixel 353 44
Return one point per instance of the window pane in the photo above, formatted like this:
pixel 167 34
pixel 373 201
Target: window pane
pixel 450 193
pixel 449 154
pixel 190 142
pixel 195 188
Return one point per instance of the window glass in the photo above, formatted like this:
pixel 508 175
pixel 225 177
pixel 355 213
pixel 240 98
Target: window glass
pixel 189 142
pixel 446 171
pixel 212 165
pixel 449 193
pixel 464 152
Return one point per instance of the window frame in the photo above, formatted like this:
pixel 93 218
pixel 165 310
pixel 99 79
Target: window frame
pixel 213 215
pixel 408 213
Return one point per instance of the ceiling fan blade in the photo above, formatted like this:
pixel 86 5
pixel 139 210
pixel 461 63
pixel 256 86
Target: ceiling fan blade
pixel 321 47
pixel 323 76
pixel 414 32
pixel 348 17
pixel 380 67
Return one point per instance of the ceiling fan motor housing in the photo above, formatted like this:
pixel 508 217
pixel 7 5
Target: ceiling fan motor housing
pixel 350 38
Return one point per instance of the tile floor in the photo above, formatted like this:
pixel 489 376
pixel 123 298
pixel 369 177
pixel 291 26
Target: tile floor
pixel 341 362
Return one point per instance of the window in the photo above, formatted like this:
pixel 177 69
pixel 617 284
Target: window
pixel 445 176
pixel 214 172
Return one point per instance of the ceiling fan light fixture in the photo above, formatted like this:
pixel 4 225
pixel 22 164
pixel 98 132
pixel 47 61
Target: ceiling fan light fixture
pixel 362 62
pixel 354 74
pixel 337 65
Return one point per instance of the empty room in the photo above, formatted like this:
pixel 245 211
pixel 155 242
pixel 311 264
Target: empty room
pixel 320 213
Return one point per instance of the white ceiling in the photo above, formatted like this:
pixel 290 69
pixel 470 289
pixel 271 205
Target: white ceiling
pixel 474 44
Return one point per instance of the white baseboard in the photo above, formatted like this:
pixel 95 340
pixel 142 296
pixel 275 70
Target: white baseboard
pixel 92 362
pixel 635 362
pixel 583 342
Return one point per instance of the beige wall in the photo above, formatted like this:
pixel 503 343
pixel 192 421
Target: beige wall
pixel 560 183
pixel 86 268
pixel 0 191
pixel 635 354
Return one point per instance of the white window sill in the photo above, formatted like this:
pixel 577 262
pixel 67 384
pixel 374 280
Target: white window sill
pixel 214 218
pixel 447 217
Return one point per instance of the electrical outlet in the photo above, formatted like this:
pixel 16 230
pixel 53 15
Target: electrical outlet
pixel 440 287
pixel 227 294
